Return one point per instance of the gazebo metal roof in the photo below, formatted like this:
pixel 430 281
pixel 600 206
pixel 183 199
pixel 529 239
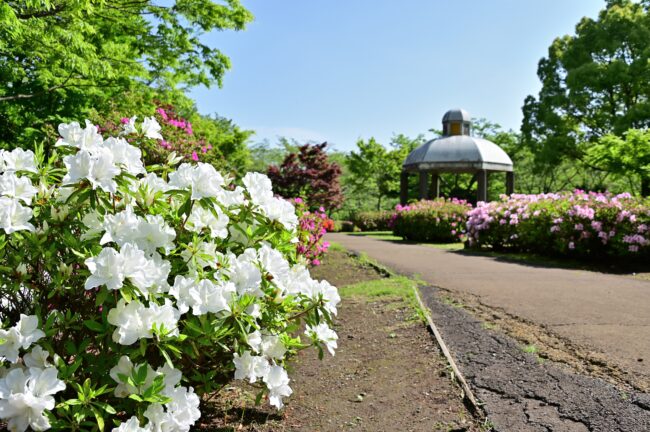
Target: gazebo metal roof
pixel 458 153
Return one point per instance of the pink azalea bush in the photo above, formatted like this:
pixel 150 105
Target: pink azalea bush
pixel 312 226
pixel 581 224
pixel 440 220
pixel 179 136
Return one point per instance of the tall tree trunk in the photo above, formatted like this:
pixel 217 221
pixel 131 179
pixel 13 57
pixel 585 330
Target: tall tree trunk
pixel 645 186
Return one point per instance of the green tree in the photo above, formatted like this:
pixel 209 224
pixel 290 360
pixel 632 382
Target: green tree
pixel 59 58
pixel 374 170
pixel 594 83
pixel 628 157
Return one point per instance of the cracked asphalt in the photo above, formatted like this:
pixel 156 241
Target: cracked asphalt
pixel 521 393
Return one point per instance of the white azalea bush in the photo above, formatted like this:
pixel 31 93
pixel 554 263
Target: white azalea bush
pixel 128 293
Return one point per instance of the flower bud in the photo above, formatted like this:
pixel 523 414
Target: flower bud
pixel 65 270
pixel 21 269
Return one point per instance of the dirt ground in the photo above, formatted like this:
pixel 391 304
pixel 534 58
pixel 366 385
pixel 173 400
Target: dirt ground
pixel 387 375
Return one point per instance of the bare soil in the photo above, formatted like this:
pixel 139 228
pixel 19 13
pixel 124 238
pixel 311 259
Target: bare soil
pixel 387 375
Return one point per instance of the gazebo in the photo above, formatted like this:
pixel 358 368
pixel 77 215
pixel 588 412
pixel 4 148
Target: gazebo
pixel 456 151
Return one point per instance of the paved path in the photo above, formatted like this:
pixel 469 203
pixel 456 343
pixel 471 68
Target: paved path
pixel 605 313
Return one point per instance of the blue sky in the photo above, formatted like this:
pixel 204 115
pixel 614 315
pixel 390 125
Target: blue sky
pixel 341 70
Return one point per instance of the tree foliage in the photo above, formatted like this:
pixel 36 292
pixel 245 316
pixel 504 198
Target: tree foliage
pixel 625 156
pixel 58 58
pixel 594 83
pixel 374 170
pixel 308 174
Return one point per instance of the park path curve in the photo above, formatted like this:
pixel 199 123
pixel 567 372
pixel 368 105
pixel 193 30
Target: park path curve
pixel 608 314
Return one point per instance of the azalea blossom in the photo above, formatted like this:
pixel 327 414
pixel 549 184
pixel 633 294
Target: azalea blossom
pixel 277 381
pixel 250 367
pixel 151 128
pixel 323 334
pixel 24 397
pixel 22 335
pixel 14 216
pixel 131 425
pixel 18 160
pixel 20 188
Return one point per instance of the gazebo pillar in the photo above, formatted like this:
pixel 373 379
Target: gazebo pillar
pixel 424 185
pixel 510 182
pixel 434 190
pixel 482 185
pixel 404 188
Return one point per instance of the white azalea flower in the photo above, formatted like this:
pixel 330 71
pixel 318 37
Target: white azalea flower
pixel 130 320
pixel 131 425
pixel 19 160
pixel 37 357
pixel 245 275
pixel 129 127
pixel 273 347
pixel 124 367
pixel 14 217
pixel 205 181
pixel 329 294
pixel 153 233
pixel 322 333
pixel 165 315
pixel 278 209
pixel 250 367
pixel 201 255
pixel 207 296
pixel 182 177
pixel 20 188
pixel 254 340
pixel 201 218
pixel 146 189
pixel 181 292
pixel 232 198
pixel 277 381
pixel 71 134
pixel 25 397
pixel 151 128
pixel 125 154
pixel 120 227
pixel 135 321
pixel 254 310
pixel 106 269
pixel 178 415
pixel 22 335
pixel 149 275
pixel 97 166
pixel 259 187
pixel 93 221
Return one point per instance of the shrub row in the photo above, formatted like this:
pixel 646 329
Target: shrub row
pixel 580 224
pixel 373 220
pixel 441 220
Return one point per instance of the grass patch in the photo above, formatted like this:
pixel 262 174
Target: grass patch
pixel 445 246
pixel 388 235
pixel 397 288
pixel 334 246
pixel 530 349
pixel 379 235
